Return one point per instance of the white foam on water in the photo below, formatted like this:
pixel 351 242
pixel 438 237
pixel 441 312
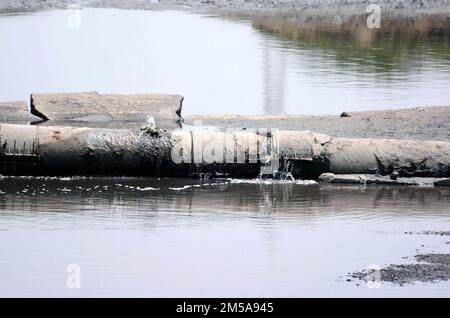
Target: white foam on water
pixel 271 181
pixel 147 189
pixel 182 188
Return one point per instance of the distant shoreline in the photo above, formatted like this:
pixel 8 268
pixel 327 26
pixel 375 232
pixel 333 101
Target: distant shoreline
pixel 342 7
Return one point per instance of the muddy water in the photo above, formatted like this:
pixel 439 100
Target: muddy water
pixel 245 66
pixel 148 237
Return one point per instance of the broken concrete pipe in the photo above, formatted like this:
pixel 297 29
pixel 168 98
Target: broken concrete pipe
pixel 95 110
pixel 41 150
pixel 16 113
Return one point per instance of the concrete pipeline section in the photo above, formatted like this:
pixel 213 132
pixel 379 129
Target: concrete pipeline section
pixel 62 150
pixel 141 135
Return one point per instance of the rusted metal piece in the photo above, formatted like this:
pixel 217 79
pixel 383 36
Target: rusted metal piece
pixel 19 154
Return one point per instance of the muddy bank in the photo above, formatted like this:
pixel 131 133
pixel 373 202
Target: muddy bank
pixel 439 233
pixel 270 5
pixel 13 6
pixel 430 268
pixel 428 123
pixel 404 7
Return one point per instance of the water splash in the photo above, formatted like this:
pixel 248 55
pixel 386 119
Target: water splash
pixel 284 171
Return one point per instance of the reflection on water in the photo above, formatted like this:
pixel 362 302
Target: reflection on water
pixel 250 65
pixel 274 64
pixel 281 197
pixel 179 238
pixel 330 58
pixel 392 48
pixel 150 237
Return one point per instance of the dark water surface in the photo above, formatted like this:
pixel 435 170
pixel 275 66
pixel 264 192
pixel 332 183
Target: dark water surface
pixel 148 237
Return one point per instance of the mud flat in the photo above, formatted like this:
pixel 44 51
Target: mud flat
pixel 13 6
pixel 404 7
pixel 420 123
pixel 269 5
pixel 430 268
pixel 438 233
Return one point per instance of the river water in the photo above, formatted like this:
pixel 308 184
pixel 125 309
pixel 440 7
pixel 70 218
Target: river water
pixel 148 237
pixel 192 238
pixel 239 66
